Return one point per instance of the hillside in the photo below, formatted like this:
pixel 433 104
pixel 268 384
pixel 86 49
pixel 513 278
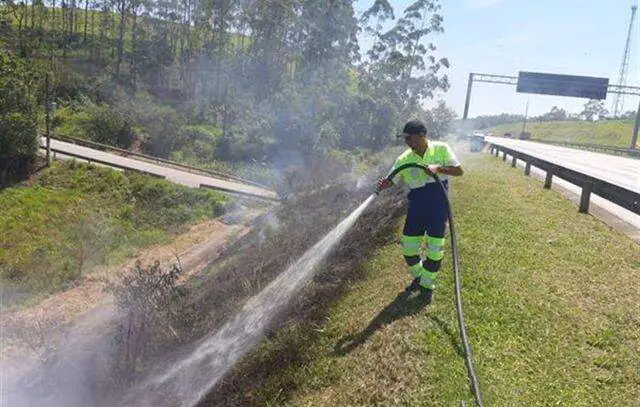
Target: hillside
pixel 71 217
pixel 615 133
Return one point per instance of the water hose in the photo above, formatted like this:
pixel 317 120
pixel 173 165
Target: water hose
pixel 475 388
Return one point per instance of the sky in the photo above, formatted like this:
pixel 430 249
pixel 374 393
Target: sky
pixel 574 37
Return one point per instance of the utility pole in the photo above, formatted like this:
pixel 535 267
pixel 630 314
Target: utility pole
pixel 524 122
pixel 468 99
pixel 47 109
pixel 634 138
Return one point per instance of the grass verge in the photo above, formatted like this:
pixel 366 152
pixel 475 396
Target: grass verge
pixel 72 216
pixel 616 133
pixel 551 303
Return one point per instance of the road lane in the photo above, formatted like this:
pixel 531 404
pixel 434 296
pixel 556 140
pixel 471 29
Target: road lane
pixel 178 176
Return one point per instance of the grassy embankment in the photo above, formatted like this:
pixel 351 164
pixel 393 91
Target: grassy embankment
pixel 72 216
pixel 615 133
pixel 551 303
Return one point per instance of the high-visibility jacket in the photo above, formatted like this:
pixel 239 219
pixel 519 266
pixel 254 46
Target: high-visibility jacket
pixel 438 153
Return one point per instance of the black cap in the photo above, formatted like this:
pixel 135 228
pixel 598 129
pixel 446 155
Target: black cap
pixel 413 127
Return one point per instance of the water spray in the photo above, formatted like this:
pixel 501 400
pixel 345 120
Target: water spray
pixel 475 388
pixel 188 381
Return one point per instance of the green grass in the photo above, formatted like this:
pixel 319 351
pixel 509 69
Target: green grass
pixel 551 304
pixel 610 132
pixel 72 216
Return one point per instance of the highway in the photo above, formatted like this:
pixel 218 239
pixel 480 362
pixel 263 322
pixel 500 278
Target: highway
pixel 175 175
pixel 621 171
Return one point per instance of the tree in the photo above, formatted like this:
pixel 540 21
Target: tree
pixel 18 125
pixel 555 114
pixel 439 120
pixel 628 115
pixel 594 110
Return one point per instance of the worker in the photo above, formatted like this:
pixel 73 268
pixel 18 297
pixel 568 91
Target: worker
pixel 427 213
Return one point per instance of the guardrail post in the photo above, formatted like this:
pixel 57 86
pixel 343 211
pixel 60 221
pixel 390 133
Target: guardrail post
pixel 548 179
pixel 585 197
pixel 504 156
pixel 514 160
pixel 527 169
pixel 497 151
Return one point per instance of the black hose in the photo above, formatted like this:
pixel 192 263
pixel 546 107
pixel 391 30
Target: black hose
pixel 475 388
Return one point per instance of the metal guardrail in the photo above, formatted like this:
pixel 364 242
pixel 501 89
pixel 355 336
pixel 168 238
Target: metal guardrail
pixel 127 153
pixel 623 197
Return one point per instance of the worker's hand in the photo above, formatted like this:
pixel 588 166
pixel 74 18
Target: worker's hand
pixel 433 169
pixel 384 183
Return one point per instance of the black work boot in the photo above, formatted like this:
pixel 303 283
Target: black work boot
pixel 415 284
pixel 425 295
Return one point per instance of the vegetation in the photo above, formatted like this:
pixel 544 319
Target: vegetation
pixel 552 315
pixel 18 106
pixel 607 132
pixel 226 81
pixel 72 216
pixel 591 125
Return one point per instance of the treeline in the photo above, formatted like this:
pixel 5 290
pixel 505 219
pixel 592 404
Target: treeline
pixel 592 110
pixel 225 79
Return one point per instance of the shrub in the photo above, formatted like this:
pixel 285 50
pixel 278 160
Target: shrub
pixel 150 299
pixel 18 122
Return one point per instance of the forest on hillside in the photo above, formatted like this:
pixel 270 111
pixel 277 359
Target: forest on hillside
pixel 209 82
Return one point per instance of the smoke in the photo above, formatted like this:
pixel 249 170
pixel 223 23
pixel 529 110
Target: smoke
pixel 74 374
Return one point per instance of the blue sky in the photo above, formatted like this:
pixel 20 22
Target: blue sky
pixel 576 37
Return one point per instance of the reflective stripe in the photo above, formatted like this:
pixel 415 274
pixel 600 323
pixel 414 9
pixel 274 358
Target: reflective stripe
pixel 416 269
pixel 435 248
pixel 426 282
pixel 427 278
pixel 411 245
pixel 435 256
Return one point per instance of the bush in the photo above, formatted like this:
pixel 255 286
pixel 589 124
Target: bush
pixel 150 299
pixel 199 142
pixel 18 121
pixel 157 125
pixel 98 122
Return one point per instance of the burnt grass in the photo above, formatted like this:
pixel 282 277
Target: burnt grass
pixel 278 238
pixel 265 253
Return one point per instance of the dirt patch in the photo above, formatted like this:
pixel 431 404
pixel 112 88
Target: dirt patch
pixel 28 330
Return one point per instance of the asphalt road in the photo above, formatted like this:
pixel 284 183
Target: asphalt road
pixel 175 175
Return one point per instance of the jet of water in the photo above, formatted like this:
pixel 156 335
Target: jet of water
pixel 188 381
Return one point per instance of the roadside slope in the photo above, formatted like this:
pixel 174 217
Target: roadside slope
pixel 551 305
pixel 615 133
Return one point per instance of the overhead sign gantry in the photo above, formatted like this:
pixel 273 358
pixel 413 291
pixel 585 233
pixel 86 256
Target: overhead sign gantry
pixel 560 85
